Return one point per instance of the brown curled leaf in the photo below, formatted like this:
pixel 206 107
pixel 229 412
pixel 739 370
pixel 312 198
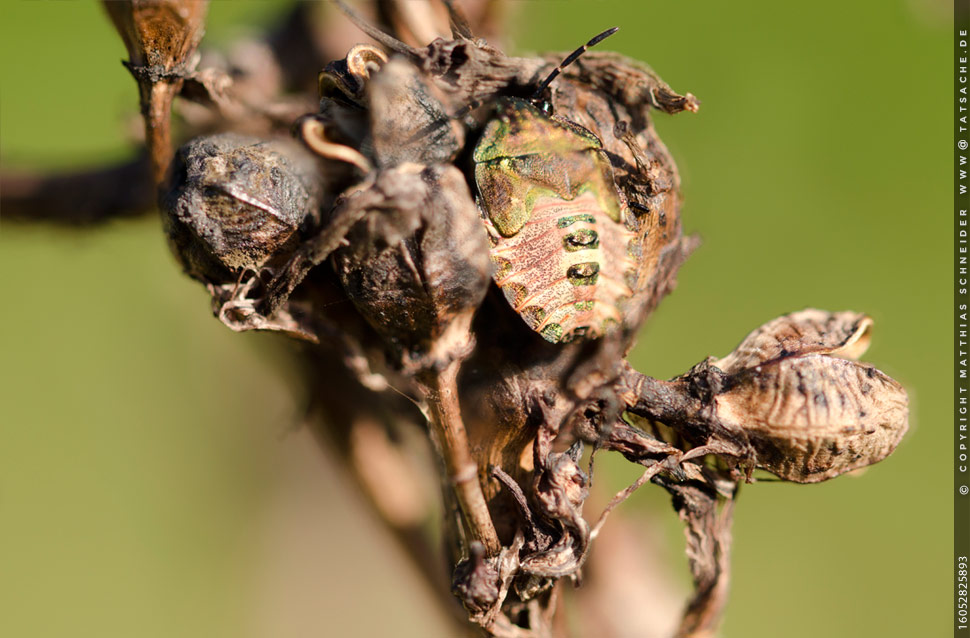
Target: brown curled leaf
pixel 841 334
pixel 708 530
pixel 814 417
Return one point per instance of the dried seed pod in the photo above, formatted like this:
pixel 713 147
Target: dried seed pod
pixel 161 37
pixel 342 95
pixel 813 417
pixel 408 121
pixel 429 275
pixel 238 203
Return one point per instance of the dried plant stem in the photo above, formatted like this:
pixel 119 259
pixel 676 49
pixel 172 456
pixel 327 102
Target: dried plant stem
pixel 156 107
pixel 449 431
pixel 417 267
pixel 709 553
pixel 161 37
pixel 678 404
pixel 664 401
pixel 624 494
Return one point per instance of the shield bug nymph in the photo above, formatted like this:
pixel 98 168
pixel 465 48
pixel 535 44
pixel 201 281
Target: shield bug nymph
pixel 555 217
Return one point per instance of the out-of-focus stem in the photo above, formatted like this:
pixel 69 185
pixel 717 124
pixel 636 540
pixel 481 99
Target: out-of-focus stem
pixel 81 198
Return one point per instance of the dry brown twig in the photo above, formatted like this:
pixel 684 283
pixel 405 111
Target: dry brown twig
pixel 161 38
pixel 408 197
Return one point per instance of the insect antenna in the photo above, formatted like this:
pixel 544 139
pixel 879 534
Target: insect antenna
pixel 458 22
pixel 387 40
pixel 569 60
pixel 537 95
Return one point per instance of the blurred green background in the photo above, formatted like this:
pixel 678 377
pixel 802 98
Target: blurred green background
pixel 150 481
